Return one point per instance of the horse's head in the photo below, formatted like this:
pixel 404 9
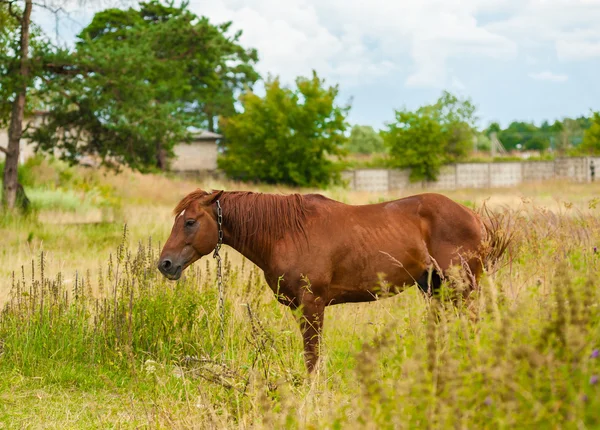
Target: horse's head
pixel 195 233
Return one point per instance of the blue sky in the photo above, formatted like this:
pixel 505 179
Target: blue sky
pixel 516 59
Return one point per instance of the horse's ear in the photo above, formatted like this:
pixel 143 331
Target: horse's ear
pixel 209 198
pixel 214 196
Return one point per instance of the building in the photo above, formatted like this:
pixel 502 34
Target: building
pixel 27 148
pixel 200 155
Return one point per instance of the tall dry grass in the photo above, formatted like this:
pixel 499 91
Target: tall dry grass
pixel 91 336
pixel 528 358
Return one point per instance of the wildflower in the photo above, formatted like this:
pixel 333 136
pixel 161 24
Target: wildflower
pixel 150 366
pixel 594 380
pixel 595 353
pixel 595 249
pixel 488 400
pixel 584 398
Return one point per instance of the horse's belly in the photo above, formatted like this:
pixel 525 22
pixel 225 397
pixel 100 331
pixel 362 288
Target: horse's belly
pixel 352 296
pixel 373 282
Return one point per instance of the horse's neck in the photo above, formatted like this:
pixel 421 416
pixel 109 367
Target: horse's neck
pixel 257 256
pixel 253 251
pixel 253 224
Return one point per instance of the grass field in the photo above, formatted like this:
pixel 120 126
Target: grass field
pixel 91 336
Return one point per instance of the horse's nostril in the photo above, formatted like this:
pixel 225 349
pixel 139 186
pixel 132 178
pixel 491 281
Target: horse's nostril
pixel 166 264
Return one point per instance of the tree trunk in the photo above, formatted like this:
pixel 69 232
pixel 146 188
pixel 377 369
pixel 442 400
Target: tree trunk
pixel 210 118
pixel 161 157
pixel 11 182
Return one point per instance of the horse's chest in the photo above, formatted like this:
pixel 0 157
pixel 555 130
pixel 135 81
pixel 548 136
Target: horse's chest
pixel 285 292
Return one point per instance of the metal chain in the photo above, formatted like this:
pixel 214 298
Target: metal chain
pixel 219 274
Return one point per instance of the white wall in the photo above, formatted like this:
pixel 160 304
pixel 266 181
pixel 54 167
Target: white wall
pixel 195 156
pixel 476 175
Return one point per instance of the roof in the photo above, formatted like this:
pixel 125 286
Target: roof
pixel 200 134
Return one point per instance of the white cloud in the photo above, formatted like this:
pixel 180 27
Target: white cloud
pixel 568 26
pixel 354 42
pixel 568 50
pixel 530 60
pixel 549 76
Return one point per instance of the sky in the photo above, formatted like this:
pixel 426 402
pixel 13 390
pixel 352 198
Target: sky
pixel 526 60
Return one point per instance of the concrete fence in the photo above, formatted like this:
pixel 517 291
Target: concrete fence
pixel 475 175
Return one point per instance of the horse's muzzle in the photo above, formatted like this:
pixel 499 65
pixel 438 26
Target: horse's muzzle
pixel 168 268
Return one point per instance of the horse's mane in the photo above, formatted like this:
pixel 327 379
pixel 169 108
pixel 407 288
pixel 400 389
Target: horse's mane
pixel 187 201
pixel 257 219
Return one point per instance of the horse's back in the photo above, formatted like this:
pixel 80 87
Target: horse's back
pixel 350 246
pixel 448 228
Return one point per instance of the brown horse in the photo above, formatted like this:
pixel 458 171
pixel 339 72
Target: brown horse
pixel 316 252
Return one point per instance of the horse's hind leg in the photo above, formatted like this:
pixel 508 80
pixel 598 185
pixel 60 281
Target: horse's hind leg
pixel 430 282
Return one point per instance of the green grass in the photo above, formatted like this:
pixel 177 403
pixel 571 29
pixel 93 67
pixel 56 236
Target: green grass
pixel 126 348
pixel 52 185
pixel 64 200
pixel 101 340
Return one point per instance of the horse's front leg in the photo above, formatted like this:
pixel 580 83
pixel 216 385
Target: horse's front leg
pixel 311 326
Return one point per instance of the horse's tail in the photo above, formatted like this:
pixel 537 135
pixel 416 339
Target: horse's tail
pixel 499 234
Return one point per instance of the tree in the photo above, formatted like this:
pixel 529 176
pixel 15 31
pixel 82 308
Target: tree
pixel 432 135
pixel 417 140
pixel 494 127
pixel 213 64
pixel 365 140
pixel 585 122
pixel 137 81
pixel 525 134
pixel 554 132
pixel 15 79
pixel 457 118
pixel 573 130
pixel 591 138
pixel 483 142
pixel 537 143
pixel 288 136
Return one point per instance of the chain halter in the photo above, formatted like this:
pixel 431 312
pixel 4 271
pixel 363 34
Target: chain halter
pixel 219 274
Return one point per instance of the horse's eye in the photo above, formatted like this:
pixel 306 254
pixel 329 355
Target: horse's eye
pixel 190 222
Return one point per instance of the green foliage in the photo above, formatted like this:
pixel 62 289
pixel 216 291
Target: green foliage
pixel 377 161
pixel 591 138
pixel 208 64
pixel 24 172
pixel 365 140
pixel 416 140
pixel 8 27
pixel 560 135
pixel 138 79
pixel 525 134
pixel 457 118
pixel 287 137
pixel 10 79
pixel 482 142
pixel 494 127
pixel 431 136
